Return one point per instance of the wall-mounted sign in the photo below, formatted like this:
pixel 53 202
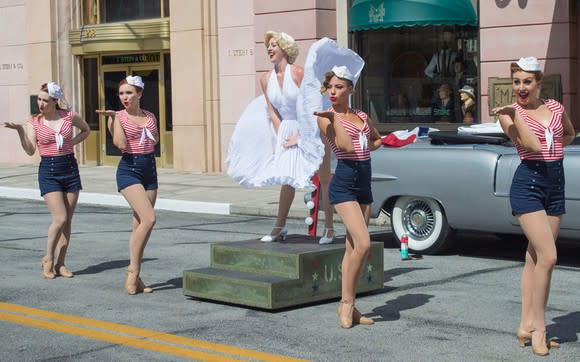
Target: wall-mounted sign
pixel 501 93
pixel 131 58
pixel 240 52
pixel 11 66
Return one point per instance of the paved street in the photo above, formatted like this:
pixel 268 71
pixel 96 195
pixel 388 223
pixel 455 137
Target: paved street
pixel 462 306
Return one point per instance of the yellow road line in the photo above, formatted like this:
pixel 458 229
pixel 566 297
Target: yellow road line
pixel 111 338
pixel 213 351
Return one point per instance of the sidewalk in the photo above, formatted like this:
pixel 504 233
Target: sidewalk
pixel 212 193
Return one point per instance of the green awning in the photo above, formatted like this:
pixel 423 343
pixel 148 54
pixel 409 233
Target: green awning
pixel 381 14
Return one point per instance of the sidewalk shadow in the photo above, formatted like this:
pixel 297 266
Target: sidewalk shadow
pixel 109 265
pixel 565 328
pixel 392 309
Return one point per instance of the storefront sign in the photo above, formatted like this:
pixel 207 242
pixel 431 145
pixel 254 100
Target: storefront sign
pixel 132 58
pixel 501 93
pixel 377 14
pixel 240 52
pixel 11 66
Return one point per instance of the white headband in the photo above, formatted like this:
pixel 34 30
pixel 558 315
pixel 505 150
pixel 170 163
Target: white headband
pixel 54 90
pixel 342 72
pixel 135 81
pixel 529 64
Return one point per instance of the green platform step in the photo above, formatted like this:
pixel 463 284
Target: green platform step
pixel 277 275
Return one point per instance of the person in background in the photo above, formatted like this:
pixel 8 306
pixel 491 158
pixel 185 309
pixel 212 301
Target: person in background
pixel 134 132
pixel 540 128
pixel 52 133
pixel 351 135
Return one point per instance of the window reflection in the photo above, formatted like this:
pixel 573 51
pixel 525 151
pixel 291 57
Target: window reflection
pixel 115 10
pixel 110 11
pixel 414 74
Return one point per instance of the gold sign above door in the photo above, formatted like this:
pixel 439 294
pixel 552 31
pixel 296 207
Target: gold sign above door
pixel 128 36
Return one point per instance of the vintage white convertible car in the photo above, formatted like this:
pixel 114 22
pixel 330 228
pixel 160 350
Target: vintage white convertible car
pixel 447 182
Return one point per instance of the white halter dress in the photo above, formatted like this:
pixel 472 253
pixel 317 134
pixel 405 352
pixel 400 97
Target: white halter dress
pixel 256 155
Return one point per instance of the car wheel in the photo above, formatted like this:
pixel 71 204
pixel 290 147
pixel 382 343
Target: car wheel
pixel 424 222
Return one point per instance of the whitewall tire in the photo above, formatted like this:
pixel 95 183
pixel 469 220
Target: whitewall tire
pixel 424 222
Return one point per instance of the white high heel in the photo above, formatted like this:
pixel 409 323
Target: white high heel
pixel 274 237
pixel 325 239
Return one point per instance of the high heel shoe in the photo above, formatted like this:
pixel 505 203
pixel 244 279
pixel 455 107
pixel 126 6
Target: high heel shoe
pixel 358 318
pixel 282 232
pixel 525 336
pixel 345 313
pixel 325 239
pixel 46 266
pixel 60 269
pixel 543 350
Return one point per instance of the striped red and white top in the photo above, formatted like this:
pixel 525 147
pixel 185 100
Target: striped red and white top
pixel 51 143
pixel 140 139
pixel 550 137
pixel 360 137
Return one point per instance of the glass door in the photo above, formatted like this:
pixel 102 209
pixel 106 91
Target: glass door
pixel 150 101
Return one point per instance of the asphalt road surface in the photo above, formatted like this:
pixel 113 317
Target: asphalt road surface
pixel 461 306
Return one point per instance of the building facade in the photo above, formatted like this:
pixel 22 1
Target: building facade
pixel 201 61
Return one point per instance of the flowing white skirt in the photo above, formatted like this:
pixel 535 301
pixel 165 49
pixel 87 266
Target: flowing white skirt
pixel 257 157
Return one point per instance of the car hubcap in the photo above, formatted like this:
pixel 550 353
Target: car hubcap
pixel 418 219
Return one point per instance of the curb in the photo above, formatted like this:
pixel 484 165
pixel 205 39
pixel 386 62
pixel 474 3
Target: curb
pixel 201 207
pixel 90 198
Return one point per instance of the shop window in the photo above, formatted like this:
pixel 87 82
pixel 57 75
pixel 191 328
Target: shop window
pixel 111 11
pixel 414 74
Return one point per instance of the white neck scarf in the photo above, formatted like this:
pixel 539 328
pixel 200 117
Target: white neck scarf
pixel 549 134
pixel 59 140
pixel 363 141
pixel 146 133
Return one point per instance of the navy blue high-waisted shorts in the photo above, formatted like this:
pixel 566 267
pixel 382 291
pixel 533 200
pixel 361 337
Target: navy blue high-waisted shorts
pixel 538 185
pixel 351 182
pixel 137 169
pixel 59 173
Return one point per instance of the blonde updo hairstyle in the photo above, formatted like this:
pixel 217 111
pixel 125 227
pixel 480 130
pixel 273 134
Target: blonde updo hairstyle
pixel 285 42
pixel 326 81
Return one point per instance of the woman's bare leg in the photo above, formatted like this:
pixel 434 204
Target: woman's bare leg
pixel 58 211
pixel 286 198
pixel 142 202
pixel 526 322
pixel 540 231
pixel 70 201
pixel 357 246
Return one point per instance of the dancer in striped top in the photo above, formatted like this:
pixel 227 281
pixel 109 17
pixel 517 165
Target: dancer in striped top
pixel 540 128
pixel 51 131
pixel 134 132
pixel 351 135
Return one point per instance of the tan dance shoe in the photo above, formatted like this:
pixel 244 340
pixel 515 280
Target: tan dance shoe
pixel 46 266
pixel 345 313
pixel 358 318
pixel 60 269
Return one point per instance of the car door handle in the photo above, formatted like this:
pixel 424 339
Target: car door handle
pixel 378 177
